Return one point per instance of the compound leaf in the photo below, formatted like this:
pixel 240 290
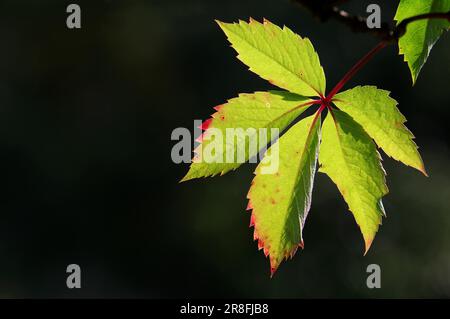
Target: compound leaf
pixel 378 114
pixel 241 129
pixel 420 35
pixel 349 157
pixel 280 197
pixel 232 135
pixel 278 55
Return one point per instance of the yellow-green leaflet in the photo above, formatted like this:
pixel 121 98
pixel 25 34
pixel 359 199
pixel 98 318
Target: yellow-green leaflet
pixel 349 157
pixel 420 35
pixel 247 113
pixel 281 198
pixel 377 113
pixel 278 55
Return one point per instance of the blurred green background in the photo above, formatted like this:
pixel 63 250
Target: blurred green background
pixel 86 175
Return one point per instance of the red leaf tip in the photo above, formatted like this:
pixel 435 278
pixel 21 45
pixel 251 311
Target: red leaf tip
pixel 272 271
pixel 273 267
pixel 218 107
pixel 252 220
pixel 255 234
pixel 302 244
pixel 260 244
pixel 204 126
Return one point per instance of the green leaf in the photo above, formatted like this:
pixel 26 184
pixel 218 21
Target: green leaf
pixel 349 157
pixel 247 113
pixel 421 35
pixel 278 55
pixel 377 113
pixel 281 200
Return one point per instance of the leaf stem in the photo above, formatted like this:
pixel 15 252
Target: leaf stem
pixel 319 111
pixel 363 61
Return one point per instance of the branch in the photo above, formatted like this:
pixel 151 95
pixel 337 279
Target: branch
pixel 327 9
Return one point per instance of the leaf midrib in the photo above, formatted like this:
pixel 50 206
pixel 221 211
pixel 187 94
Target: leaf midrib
pixel 276 61
pixel 382 129
pixel 270 124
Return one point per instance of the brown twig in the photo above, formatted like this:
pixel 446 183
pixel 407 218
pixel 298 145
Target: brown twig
pixel 328 9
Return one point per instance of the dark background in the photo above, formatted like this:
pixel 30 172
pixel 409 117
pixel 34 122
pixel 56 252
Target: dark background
pixel 86 175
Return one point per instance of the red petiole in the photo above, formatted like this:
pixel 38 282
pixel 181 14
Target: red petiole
pixel 355 70
pixel 325 102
